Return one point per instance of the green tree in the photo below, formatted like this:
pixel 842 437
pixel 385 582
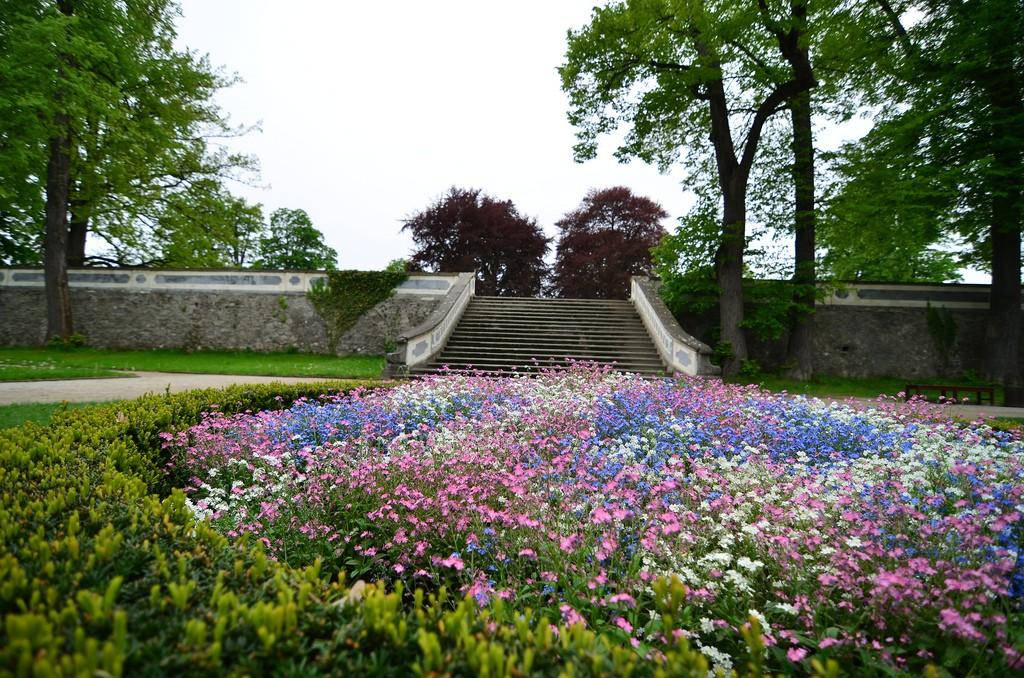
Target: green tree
pixel 687 77
pixel 292 242
pixel 20 244
pixel 951 141
pixel 888 215
pixel 208 229
pixel 101 122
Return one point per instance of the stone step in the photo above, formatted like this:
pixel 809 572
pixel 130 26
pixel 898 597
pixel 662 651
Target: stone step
pixel 542 332
pixel 639 345
pixel 544 305
pixel 504 335
pixel 512 366
pixel 511 354
pixel 643 343
pixel 513 371
pixel 544 301
pixel 554 321
pixel 553 316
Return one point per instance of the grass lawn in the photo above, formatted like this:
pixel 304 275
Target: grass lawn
pixel 41 413
pixel 842 387
pixel 18 364
pixel 41 371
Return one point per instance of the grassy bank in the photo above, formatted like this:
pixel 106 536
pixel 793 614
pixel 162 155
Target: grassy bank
pixel 40 413
pixel 844 387
pixel 18 364
pixel 43 371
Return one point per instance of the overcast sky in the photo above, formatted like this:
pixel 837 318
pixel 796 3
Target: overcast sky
pixel 371 111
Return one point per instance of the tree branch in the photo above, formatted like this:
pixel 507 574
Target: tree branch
pixel 897 25
pixel 757 61
pixel 679 68
pixel 773 103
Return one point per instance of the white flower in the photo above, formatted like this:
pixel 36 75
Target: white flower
pixel 718 658
pixel 854 542
pixel 749 565
pixel 737 580
pixel 786 607
pixel 706 626
pixel 760 618
pixel 718 557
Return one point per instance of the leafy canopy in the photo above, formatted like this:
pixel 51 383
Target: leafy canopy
pixel 466 230
pixel 604 241
pixel 140 115
pixel 292 242
pixel 948 141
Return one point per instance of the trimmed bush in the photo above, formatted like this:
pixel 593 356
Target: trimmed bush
pixel 105 570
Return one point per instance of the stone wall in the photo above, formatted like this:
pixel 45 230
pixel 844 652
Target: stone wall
pixel 859 330
pixel 211 310
pixel 851 341
pixel 882 330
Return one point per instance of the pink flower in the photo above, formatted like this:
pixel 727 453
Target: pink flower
pixel 623 624
pixel 623 598
pixel 570 616
pixel 528 553
pixel 453 561
pixel 796 654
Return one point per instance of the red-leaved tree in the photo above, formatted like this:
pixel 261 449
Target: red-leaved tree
pixel 603 242
pixel 466 230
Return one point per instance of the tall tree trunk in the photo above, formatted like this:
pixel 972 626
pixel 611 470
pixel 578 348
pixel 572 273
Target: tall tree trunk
pixel 1001 360
pixel 55 245
pixel 733 176
pixel 58 298
pixel 732 181
pixel 799 355
pixel 729 275
pixel 1001 357
pixel 78 228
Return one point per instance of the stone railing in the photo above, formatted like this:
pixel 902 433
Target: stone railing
pixel 681 352
pixel 198 280
pixel 908 295
pixel 421 343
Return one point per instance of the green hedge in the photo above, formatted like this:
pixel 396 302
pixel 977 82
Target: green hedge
pixel 104 571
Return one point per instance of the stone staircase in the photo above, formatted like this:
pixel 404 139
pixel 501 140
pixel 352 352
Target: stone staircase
pixel 505 335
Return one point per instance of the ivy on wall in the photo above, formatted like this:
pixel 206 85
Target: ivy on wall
pixel 347 295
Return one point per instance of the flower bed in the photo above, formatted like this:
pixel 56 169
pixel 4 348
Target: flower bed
pixel 882 537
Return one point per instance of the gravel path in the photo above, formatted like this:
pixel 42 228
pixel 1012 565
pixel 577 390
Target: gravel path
pixel 90 390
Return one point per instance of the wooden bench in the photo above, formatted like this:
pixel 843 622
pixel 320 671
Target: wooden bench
pixel 952 392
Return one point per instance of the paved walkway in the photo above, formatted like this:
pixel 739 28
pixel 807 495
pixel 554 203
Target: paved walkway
pixel 974 411
pixel 95 390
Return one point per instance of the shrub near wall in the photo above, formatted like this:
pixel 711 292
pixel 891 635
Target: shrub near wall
pixel 104 570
